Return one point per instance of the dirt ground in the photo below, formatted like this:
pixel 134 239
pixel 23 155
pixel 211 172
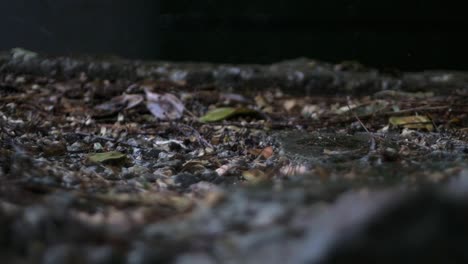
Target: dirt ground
pixel 110 161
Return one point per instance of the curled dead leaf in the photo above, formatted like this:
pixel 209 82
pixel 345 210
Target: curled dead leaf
pixel 118 103
pixel 267 152
pixel 164 106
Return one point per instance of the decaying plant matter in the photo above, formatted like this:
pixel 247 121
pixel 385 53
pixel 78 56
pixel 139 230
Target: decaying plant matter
pixel 127 162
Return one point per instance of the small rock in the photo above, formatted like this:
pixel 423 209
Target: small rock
pixel 226 154
pixel 77 146
pixel 70 180
pixel 390 154
pixel 151 154
pixel 175 164
pixel 210 176
pixel 184 180
pixel 174 146
pixel 134 171
pixel 150 177
pixel 164 172
pixel 72 138
pixel 54 148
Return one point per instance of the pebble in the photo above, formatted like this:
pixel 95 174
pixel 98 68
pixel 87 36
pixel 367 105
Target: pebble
pixel 184 180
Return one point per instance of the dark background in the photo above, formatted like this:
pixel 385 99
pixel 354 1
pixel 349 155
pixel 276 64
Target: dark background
pixel 410 35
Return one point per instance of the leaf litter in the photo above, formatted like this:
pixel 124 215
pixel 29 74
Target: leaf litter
pixel 157 170
pixel 164 106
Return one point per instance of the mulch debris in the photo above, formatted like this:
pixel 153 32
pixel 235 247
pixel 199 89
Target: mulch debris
pixel 125 170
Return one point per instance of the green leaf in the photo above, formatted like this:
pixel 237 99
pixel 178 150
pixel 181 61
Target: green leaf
pixel 112 156
pixel 223 113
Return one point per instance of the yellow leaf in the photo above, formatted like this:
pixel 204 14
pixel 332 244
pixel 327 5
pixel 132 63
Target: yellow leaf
pixel 412 122
pixel 254 176
pixel 106 157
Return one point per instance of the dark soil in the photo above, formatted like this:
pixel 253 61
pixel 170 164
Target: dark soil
pixel 113 161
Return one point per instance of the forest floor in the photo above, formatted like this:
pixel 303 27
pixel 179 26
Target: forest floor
pixel 99 166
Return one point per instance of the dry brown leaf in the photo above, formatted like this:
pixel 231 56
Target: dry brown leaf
pixel 118 103
pixel 255 152
pixel 267 152
pixel 164 106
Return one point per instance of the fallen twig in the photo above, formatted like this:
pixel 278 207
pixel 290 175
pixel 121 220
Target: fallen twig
pixel 107 139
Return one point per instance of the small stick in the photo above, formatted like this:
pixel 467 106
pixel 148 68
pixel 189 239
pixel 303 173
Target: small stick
pixel 107 139
pixel 357 118
pixel 372 137
pixel 197 134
